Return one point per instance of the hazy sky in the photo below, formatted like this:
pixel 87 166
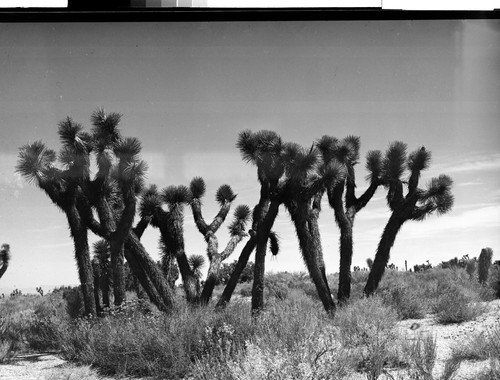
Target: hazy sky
pixel 187 89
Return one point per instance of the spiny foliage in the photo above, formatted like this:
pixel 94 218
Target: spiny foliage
pixel 419 159
pixel 438 196
pixel 197 187
pixel 224 194
pixel 263 149
pixel 393 164
pixel 241 217
pixel 105 128
pixel 196 262
pixel 101 250
pixel 300 163
pixel 274 243
pixel 373 164
pixel 176 195
pixel 327 145
pixel 35 161
pixel 5 254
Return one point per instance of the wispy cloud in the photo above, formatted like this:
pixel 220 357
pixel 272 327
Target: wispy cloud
pixel 57 245
pixel 472 164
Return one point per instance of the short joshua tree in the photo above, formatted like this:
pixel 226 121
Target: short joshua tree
pixel 416 205
pixel 224 197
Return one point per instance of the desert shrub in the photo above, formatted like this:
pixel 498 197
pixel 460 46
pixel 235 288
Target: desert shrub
pixel 74 302
pixel 276 288
pixel 420 352
pixel 405 300
pixel 135 343
pixel 245 289
pixel 30 322
pixel 479 346
pixel 453 306
pixel 367 325
pixel 291 339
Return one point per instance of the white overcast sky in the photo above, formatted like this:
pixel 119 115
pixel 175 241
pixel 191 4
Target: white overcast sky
pixel 187 89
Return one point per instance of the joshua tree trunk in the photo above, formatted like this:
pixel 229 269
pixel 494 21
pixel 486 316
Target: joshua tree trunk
pixel 263 231
pixel 346 242
pixel 97 281
pixel 148 274
pixel 211 280
pixel 383 251
pixel 82 255
pixel 313 257
pixel 117 257
pixel 240 266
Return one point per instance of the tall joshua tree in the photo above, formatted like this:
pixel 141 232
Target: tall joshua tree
pixel 63 186
pixel 4 258
pixel 302 191
pixel 113 192
pixel 265 150
pixel 416 205
pixel 342 197
pixel 224 197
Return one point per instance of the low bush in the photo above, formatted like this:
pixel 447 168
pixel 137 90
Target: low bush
pixel 453 306
pixel 366 325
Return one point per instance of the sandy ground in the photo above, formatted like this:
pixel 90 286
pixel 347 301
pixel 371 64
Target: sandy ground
pixel 49 366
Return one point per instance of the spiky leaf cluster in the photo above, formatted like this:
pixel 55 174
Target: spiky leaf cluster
pixel 105 128
pixel 300 163
pixel 393 165
pixel 419 160
pixel 327 145
pixel 35 162
pixel 150 202
pixel 176 195
pixel 263 149
pixel 197 187
pixel 274 243
pixel 101 250
pixel 241 217
pixel 5 254
pixel 373 165
pixel 196 262
pixel 224 194
pixel 347 151
pixel 438 194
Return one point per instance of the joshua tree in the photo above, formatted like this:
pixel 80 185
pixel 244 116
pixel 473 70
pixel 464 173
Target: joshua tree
pixel 263 149
pixel 63 186
pixel 416 205
pixel 224 197
pixel 484 264
pixel 343 200
pixel 111 193
pixel 4 258
pixel 306 178
pixel 170 223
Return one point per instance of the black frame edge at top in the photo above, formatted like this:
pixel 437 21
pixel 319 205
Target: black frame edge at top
pixel 230 14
